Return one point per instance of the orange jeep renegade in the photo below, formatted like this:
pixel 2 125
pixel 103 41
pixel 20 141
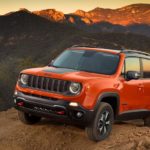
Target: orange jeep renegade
pixel 87 86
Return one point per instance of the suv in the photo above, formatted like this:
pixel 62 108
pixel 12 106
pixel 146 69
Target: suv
pixel 91 87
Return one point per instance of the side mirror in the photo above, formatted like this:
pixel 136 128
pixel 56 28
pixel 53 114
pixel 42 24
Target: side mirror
pixel 133 75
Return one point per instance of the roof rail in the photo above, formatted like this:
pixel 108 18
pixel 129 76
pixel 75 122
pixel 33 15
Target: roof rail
pixel 135 51
pixel 83 46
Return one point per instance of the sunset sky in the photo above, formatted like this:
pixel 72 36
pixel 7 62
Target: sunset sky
pixel 63 5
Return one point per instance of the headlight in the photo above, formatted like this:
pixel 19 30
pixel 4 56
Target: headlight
pixel 24 79
pixel 75 88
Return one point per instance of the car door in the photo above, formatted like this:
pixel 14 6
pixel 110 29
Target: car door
pixel 132 90
pixel 146 82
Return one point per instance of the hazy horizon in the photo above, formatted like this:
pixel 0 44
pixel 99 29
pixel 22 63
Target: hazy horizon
pixel 66 6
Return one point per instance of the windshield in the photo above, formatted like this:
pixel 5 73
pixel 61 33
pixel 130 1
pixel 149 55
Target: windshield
pixel 88 60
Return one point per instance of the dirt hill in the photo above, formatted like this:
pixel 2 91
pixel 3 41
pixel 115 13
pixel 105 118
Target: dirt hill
pixel 48 135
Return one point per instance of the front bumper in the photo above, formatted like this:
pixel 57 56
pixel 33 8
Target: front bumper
pixel 52 108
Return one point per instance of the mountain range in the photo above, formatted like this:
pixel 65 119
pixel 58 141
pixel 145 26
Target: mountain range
pixel 128 15
pixel 134 18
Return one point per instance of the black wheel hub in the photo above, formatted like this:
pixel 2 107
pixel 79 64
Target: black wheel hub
pixel 104 123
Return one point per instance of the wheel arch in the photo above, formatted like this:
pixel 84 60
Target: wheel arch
pixel 111 98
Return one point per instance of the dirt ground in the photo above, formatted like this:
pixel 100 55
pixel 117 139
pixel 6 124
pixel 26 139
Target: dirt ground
pixel 48 135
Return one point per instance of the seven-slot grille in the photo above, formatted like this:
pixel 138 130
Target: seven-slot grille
pixel 48 84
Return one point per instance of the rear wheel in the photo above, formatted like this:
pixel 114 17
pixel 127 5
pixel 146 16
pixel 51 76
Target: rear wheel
pixel 147 121
pixel 101 126
pixel 28 118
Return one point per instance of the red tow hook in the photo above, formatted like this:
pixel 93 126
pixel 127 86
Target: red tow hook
pixel 60 112
pixel 20 103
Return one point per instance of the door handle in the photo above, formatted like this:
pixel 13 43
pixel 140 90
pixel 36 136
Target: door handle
pixel 141 86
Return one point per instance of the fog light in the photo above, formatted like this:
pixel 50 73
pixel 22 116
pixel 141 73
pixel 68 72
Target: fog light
pixel 73 104
pixel 79 114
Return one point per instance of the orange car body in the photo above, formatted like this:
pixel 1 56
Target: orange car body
pixel 133 95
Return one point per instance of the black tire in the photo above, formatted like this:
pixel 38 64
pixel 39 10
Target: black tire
pixel 28 118
pixel 98 130
pixel 147 121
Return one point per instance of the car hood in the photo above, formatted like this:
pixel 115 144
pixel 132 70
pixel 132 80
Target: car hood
pixel 65 74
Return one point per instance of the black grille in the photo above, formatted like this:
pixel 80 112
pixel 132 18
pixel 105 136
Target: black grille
pixel 48 84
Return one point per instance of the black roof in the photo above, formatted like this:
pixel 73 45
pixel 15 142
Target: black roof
pixel 135 52
pixel 125 51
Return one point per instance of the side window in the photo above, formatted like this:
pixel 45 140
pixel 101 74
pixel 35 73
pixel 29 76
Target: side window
pixel 146 68
pixel 132 64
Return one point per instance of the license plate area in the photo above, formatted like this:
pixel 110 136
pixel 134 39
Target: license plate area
pixel 54 109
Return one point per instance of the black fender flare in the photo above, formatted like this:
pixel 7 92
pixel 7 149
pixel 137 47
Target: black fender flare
pixel 105 95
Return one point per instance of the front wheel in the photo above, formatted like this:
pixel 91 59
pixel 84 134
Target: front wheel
pixel 101 125
pixel 27 118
